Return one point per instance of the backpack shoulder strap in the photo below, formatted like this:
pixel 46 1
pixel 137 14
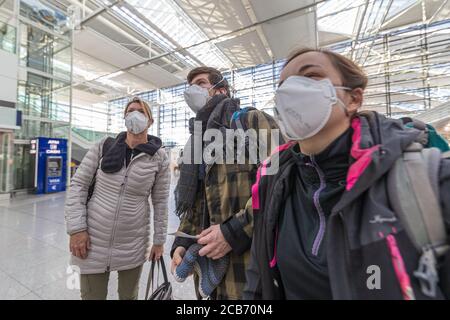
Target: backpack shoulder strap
pixel 236 118
pixel 414 193
pixel 413 188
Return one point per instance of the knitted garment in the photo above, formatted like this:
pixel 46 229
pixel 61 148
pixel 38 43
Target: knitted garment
pixel 209 271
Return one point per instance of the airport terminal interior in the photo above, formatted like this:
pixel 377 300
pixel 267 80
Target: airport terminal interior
pixel 69 67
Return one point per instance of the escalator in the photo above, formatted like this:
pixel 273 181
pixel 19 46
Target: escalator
pixel 82 141
pixel 80 146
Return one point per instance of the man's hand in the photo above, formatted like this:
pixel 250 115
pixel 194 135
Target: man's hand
pixel 80 244
pixel 215 244
pixel 178 255
pixel 156 252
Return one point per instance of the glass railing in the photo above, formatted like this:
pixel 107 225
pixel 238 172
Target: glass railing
pixel 62 73
pixel 7 37
pixel 32 129
pixel 56 111
pixel 60 113
pixel 90 135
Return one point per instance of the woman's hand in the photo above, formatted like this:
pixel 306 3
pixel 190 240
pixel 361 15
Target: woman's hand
pixel 156 252
pixel 80 244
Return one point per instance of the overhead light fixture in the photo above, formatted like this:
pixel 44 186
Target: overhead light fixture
pixel 112 75
pixel 447 127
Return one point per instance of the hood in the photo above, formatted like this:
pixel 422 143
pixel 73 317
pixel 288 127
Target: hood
pixel 377 142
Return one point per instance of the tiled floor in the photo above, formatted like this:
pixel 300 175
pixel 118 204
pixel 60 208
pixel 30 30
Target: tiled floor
pixel 34 257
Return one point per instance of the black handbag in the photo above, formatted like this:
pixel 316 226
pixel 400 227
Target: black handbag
pixel 163 291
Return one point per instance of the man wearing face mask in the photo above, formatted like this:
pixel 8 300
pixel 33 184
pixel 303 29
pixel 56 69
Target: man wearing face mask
pixel 355 211
pixel 107 207
pixel 210 197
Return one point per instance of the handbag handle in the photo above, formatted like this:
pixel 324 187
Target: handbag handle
pixel 162 265
pixel 163 268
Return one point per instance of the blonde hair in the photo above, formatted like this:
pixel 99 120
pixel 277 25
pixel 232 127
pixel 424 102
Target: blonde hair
pixel 144 105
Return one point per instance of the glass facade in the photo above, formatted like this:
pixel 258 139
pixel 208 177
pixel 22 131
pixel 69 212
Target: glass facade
pixel 6 162
pixel 43 15
pixel 8 43
pixel 253 86
pixel 7 37
pixel 8 29
pixel 408 69
pixel 44 96
pixel 46 55
pixel 23 175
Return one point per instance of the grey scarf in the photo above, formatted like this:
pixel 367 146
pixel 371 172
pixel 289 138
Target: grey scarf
pixel 216 114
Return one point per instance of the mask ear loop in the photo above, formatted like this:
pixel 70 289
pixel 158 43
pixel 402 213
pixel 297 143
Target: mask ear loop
pixel 277 118
pixel 222 80
pixel 340 102
pixel 343 107
pixel 232 90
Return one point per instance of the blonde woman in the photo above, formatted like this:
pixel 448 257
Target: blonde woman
pixel 108 206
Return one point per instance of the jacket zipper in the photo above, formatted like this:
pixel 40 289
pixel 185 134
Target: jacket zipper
pixel 322 224
pixel 119 205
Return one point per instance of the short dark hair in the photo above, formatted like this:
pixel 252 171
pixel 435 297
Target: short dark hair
pixel 214 77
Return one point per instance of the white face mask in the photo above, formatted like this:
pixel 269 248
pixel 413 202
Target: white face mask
pixel 304 106
pixel 136 122
pixel 196 97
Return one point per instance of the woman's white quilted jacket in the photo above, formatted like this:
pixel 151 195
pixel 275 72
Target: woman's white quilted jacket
pixel 117 216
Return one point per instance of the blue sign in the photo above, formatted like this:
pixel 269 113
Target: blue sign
pixel 51 164
pixel 19 118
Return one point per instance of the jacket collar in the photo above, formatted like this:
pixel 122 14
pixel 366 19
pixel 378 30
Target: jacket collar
pixel 114 158
pixel 204 113
pixel 377 142
pixel 333 161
